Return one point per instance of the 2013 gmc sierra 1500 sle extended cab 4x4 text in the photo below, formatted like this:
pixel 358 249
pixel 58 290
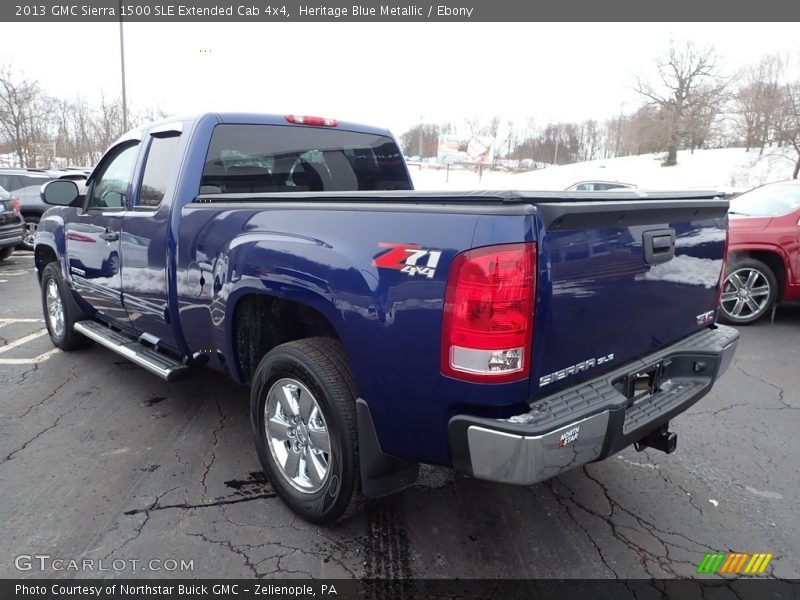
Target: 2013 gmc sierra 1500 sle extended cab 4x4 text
pixel 511 335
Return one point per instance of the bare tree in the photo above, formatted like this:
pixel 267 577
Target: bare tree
pixel 107 125
pixel 510 141
pixel 687 78
pixel 758 100
pixel 790 122
pixel 18 114
pixel 410 140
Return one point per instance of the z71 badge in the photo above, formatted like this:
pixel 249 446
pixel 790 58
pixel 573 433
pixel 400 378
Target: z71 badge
pixel 408 258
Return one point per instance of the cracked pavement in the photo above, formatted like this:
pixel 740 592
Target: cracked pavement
pixel 101 460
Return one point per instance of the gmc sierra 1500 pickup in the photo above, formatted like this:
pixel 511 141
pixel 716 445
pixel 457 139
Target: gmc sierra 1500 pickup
pixel 511 335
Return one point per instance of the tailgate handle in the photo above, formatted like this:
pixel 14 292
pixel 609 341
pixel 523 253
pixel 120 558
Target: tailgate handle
pixel 659 246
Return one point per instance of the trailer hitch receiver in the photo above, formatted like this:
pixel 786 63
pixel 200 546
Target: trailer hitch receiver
pixel 660 439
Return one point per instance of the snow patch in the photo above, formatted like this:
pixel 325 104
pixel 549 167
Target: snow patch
pixel 688 270
pixel 764 493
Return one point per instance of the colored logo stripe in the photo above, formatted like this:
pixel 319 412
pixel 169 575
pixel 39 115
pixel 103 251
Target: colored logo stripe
pixel 734 562
pixel 758 564
pixel 711 563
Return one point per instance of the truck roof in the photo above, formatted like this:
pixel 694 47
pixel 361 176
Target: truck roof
pixel 246 118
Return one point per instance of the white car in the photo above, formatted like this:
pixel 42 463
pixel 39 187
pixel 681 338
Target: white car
pixel 599 186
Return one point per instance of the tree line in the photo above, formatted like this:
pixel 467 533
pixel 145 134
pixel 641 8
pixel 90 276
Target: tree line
pixel 686 102
pixel 40 130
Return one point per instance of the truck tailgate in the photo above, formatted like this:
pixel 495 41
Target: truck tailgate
pixel 620 279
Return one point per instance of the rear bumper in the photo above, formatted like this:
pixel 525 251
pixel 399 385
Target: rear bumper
pixel 11 235
pixel 592 420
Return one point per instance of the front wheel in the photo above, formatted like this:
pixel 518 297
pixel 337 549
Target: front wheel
pixel 303 416
pixel 749 291
pixel 5 253
pixel 61 312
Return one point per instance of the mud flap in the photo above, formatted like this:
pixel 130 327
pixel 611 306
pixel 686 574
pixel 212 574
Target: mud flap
pixel 381 474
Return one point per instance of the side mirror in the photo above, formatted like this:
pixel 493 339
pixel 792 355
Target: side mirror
pixel 60 192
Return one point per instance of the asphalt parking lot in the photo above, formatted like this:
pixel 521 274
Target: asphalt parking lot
pixel 101 460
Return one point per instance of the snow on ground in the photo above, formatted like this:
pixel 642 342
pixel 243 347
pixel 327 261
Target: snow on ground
pixel 721 169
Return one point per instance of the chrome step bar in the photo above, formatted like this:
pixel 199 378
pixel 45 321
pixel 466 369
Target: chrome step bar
pixel 159 364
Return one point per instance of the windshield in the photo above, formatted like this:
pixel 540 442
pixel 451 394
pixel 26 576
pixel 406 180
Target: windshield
pixel 767 201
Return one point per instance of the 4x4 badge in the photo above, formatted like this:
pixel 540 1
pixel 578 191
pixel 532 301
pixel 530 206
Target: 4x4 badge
pixel 408 258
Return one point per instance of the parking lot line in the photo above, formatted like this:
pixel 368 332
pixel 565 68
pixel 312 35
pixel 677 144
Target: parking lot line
pixel 29 361
pixel 21 341
pixel 4 322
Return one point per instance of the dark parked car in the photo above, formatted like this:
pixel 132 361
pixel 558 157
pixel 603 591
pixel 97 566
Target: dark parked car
pixel 763 252
pixel 12 226
pixel 26 185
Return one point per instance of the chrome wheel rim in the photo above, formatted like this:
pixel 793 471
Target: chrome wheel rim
pixel 30 233
pixel 297 435
pixel 55 308
pixel 745 294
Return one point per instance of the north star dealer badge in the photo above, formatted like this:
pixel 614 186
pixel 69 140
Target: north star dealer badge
pixel 408 258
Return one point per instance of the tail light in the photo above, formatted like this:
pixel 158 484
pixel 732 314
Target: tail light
pixel 15 203
pixel 487 330
pixel 314 121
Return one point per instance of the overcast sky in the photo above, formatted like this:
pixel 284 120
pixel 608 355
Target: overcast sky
pixel 382 74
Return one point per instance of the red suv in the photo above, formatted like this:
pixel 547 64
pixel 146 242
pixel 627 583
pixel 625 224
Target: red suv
pixel 763 252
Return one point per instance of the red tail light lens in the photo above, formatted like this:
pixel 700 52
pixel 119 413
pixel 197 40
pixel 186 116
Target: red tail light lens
pixel 314 121
pixel 15 203
pixel 487 330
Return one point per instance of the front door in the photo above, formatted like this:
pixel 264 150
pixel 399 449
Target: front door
pixel 93 239
pixel 145 233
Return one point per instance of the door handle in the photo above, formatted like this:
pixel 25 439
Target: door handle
pixel 659 246
pixel 109 236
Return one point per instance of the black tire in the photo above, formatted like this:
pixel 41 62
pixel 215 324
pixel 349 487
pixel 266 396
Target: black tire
pixel 5 253
pixel 63 337
pixel 320 365
pixel 31 225
pixel 110 267
pixel 744 304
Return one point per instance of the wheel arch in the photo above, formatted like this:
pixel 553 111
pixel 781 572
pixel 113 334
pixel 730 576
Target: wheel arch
pixel 43 255
pixel 777 263
pixel 262 321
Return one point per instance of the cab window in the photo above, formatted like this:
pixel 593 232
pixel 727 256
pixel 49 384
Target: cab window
pixel 110 187
pixel 161 160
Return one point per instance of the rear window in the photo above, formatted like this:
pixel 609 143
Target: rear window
pixel 16 182
pixel 276 158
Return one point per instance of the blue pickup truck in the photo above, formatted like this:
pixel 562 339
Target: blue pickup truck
pixel 510 335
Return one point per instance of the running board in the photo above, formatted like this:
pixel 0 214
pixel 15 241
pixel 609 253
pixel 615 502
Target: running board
pixel 147 358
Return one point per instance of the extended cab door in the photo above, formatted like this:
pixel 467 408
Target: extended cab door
pixel 93 238
pixel 145 236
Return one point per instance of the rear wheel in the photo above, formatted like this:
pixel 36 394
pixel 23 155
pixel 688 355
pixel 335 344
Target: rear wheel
pixel 61 312
pixel 5 253
pixel 31 226
pixel 303 416
pixel 749 291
